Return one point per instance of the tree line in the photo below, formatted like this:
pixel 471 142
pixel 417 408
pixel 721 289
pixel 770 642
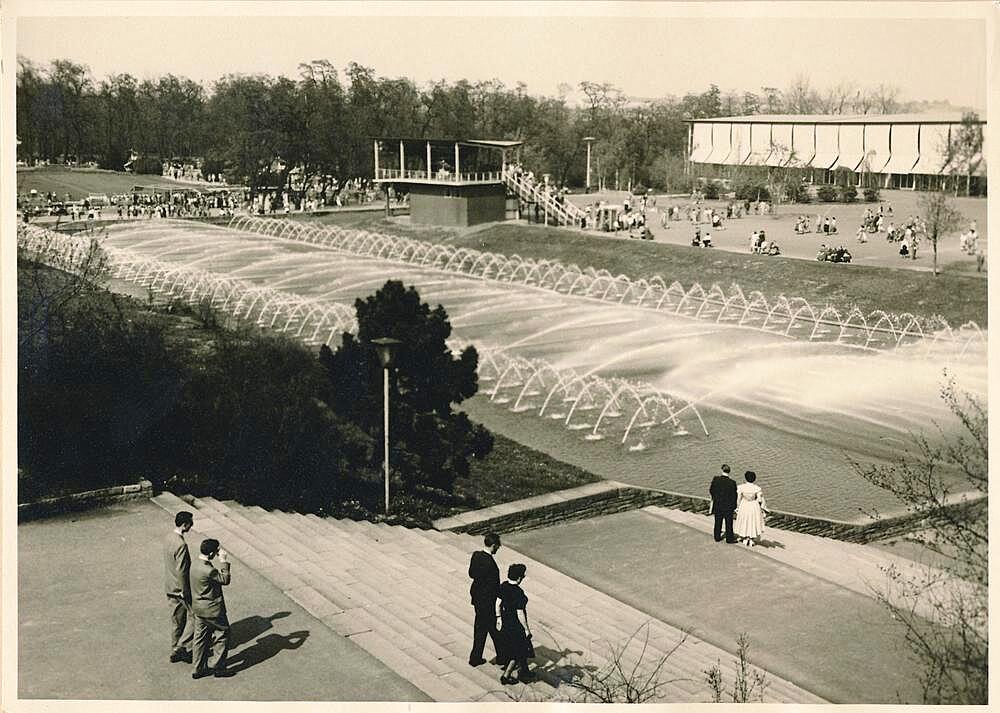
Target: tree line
pixel 255 129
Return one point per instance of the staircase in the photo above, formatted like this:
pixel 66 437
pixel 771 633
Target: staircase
pixel 562 213
pixel 402 595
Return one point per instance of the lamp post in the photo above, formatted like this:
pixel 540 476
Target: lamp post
pixel 590 140
pixel 386 349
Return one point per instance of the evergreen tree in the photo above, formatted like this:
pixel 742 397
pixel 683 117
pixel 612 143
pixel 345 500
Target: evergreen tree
pixel 430 443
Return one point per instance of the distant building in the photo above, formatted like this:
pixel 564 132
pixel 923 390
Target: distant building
pixel 911 151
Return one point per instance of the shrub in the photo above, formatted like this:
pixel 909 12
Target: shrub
pixel 752 191
pixel 827 194
pixel 798 192
pixel 871 194
pixel 711 190
pixel 848 194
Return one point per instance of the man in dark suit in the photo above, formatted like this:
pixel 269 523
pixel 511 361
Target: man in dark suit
pixel 484 590
pixel 177 566
pixel 208 604
pixel 723 492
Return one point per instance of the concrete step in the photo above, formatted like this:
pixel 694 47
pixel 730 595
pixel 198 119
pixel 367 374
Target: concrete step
pixel 403 596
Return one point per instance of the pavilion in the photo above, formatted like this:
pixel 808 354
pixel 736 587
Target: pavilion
pixel 452 182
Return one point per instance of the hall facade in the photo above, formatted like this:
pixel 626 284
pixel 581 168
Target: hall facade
pixel 908 151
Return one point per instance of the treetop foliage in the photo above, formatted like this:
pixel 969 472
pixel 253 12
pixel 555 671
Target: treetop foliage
pixel 257 128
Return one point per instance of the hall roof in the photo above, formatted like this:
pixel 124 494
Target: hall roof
pixel 950 118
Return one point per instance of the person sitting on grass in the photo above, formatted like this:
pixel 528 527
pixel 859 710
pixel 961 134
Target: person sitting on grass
pixel 904 248
pixel 706 242
pixel 696 240
pixel 717 221
pixel 773 249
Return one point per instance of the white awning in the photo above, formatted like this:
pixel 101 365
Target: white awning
pixel 721 145
pixel 928 165
pixel 852 146
pixel 902 162
pixel 781 145
pixel 701 142
pixel 824 160
pixel 803 145
pixel 904 146
pixel 700 154
pixel 739 145
pixel 876 147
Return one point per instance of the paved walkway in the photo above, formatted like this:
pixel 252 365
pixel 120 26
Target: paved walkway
pixel 834 642
pixel 93 624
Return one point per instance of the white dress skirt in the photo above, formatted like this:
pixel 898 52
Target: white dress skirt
pixel 750 506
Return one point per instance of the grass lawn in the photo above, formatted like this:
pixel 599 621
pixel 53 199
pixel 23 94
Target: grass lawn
pixel 958 295
pixel 81 182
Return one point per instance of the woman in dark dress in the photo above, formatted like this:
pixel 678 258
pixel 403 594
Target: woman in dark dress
pixel 515 646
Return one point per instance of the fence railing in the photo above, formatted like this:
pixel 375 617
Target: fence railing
pixel 440 175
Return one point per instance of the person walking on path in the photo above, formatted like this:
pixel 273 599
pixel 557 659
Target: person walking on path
pixel 484 591
pixel 177 565
pixel 515 632
pixel 750 510
pixel 211 622
pixel 723 492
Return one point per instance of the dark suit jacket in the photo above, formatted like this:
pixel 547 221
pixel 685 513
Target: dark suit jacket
pixel 485 578
pixel 723 492
pixel 207 600
pixel 177 564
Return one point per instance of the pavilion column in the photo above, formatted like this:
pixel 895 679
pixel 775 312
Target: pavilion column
pixel 457 170
pixel 376 159
pixel 402 160
pixel 428 159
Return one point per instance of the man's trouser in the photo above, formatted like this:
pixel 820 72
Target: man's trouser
pixel 181 624
pixel 211 642
pixel 485 623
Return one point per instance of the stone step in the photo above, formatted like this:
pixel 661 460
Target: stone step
pixel 403 595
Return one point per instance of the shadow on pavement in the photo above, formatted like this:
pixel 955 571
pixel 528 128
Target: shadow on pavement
pixel 251 627
pixel 266 647
pixel 771 543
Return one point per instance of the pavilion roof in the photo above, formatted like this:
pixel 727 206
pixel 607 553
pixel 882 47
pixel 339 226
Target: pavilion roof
pixel 486 143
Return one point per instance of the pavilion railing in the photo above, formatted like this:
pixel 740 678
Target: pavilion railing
pixel 443 176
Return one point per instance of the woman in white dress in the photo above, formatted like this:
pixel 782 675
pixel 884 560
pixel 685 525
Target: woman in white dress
pixel 750 510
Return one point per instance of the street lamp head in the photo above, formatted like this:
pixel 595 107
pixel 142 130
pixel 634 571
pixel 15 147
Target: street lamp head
pixel 588 139
pixel 386 348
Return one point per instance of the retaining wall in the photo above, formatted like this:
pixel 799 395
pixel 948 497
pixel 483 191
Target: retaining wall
pixel 47 507
pixel 621 498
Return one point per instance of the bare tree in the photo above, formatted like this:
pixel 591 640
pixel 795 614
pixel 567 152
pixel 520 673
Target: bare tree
pixel 940 217
pixel 750 682
pixel 862 102
pixel 838 97
pixel 945 483
pixel 629 676
pixel 886 98
pixel 800 97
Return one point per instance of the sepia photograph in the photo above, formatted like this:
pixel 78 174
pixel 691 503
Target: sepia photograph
pixel 389 354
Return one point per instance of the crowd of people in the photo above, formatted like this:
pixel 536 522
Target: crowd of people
pixel 759 244
pixel 824 224
pixel 829 253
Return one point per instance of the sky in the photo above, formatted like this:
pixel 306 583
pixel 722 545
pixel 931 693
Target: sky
pixel 645 55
